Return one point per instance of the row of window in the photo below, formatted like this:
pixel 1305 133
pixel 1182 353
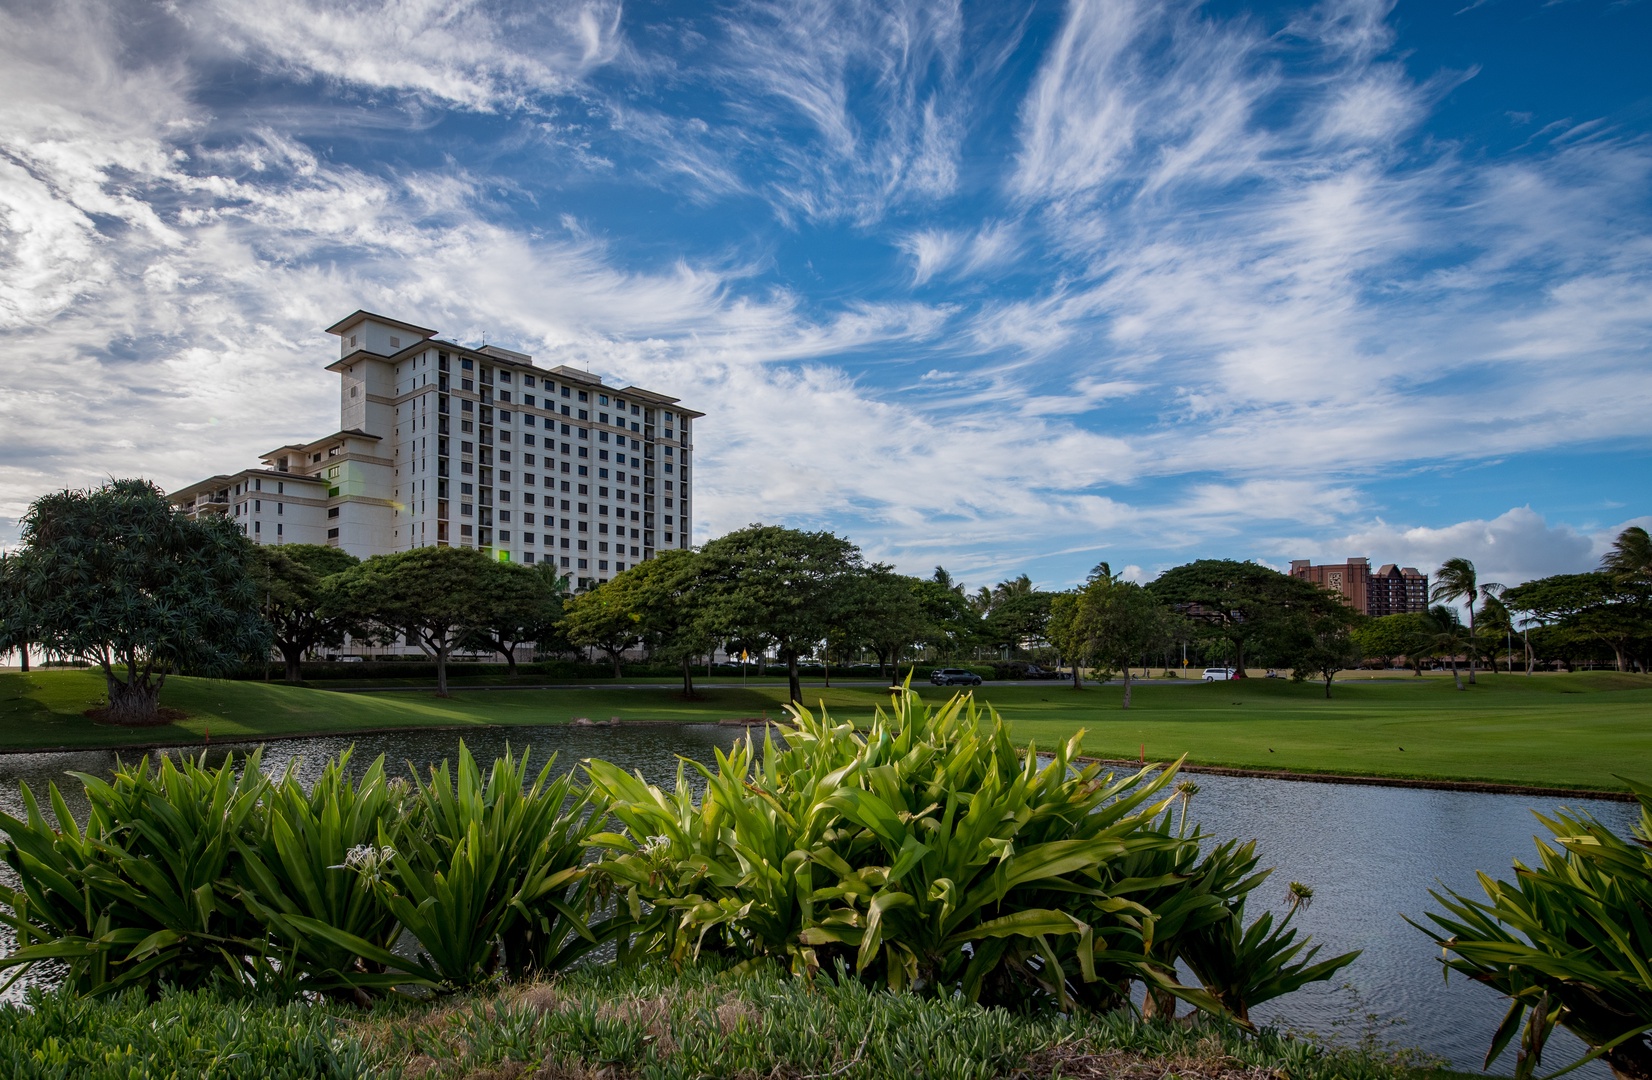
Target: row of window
pixel 503 377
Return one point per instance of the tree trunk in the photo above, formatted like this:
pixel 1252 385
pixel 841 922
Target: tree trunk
pixel 441 671
pixel 1127 685
pixel 1158 1005
pixel 1328 679
pixel 1078 680
pixel 1471 648
pixel 618 673
pixel 136 702
pixel 1454 673
pixel 1238 659
pixel 688 677
pixel 796 687
pixel 23 657
pixel 510 661
pixel 292 656
pixel 826 666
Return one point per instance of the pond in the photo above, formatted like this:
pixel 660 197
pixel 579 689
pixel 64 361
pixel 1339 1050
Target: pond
pixel 1370 853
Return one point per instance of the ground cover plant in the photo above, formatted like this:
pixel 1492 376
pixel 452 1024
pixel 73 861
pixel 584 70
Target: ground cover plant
pixel 1568 942
pixel 657 1022
pixel 1504 730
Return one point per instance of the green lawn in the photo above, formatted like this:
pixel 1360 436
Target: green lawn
pixel 1549 730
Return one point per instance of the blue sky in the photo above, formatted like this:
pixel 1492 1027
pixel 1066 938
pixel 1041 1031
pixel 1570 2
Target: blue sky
pixel 1001 286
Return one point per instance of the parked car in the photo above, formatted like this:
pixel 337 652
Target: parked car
pixel 1035 672
pixel 951 676
pixel 1218 674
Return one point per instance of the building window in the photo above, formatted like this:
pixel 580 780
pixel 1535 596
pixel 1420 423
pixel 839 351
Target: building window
pixel 278 528
pixel 527 557
pixel 332 534
pixel 465 509
pixel 464 530
pixel 332 511
pixel 527 538
pixel 504 536
pixel 257 526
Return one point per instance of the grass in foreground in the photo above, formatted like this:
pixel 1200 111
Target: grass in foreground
pixel 647 1022
pixel 1548 730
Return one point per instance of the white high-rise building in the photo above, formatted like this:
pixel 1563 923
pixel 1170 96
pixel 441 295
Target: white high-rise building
pixel 440 443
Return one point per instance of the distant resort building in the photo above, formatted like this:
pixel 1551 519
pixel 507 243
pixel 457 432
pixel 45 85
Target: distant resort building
pixel 1389 590
pixel 444 444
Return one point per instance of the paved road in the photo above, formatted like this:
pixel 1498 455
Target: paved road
pixel 701 684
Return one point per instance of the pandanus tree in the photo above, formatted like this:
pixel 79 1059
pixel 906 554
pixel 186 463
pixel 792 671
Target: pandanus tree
pixel 117 577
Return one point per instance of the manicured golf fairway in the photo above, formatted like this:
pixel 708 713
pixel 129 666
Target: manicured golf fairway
pixel 1549 730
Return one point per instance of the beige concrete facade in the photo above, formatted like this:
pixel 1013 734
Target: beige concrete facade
pixel 440 443
pixel 1390 590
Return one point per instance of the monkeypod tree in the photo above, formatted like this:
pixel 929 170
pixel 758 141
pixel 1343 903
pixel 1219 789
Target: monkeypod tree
pixel 1613 609
pixel 117 577
pixel 663 595
pixel 878 609
pixel 604 618
pixel 1245 604
pixel 524 605
pixel 292 582
pixel 1323 643
pixel 783 583
pixel 434 595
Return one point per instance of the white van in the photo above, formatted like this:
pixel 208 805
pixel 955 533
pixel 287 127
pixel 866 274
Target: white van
pixel 1218 674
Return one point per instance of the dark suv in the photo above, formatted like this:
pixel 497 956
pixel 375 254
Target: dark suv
pixel 1035 672
pixel 951 676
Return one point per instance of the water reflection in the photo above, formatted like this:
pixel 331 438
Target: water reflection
pixel 1370 853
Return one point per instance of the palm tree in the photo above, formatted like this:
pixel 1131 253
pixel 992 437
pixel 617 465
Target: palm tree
pixel 1455 582
pixel 1496 613
pixel 1630 557
pixel 1449 637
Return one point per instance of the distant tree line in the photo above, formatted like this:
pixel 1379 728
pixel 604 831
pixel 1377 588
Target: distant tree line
pixel 1601 618
pixel 116 578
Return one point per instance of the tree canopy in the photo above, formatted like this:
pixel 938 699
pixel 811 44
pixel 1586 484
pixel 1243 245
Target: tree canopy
pixel 1247 605
pixel 292 583
pixel 524 605
pixel 117 577
pixel 784 584
pixel 435 595
pixel 1615 610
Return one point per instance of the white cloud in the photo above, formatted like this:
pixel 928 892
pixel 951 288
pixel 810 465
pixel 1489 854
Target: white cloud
pixel 459 52
pixel 859 101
